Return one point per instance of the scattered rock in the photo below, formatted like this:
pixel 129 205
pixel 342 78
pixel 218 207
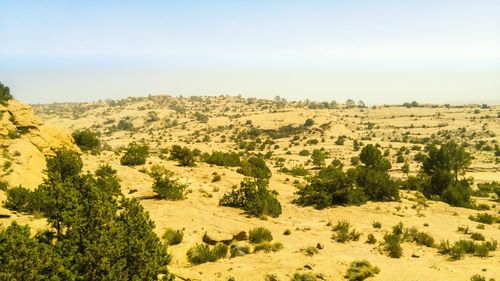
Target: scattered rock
pixel 213 237
pixel 308 267
pixel 239 235
pixel 416 254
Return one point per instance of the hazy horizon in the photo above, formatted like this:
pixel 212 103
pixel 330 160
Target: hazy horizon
pixel 381 52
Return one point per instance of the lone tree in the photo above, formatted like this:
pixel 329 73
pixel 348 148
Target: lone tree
pixel 136 154
pixel 318 158
pixel 5 95
pixel 87 140
pixel 372 158
pixel 183 155
pixel 309 122
pixel 443 166
pixel 165 185
pixel 350 103
pixel 253 196
pixel 255 167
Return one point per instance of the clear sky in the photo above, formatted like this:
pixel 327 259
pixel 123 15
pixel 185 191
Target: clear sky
pixel 445 51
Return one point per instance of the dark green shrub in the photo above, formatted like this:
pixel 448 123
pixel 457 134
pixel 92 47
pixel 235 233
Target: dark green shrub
pixel 458 194
pixel 165 186
pixel 216 178
pixel 259 234
pixel 485 189
pixel 371 239
pixel 483 218
pixel 360 270
pixel 173 236
pixel 219 158
pixel 220 250
pixel 107 179
pixel 298 171
pixel 287 232
pixel 306 276
pixel 318 158
pixel 415 182
pixel 4 185
pixel 477 236
pixel 200 117
pixel 87 140
pixel 64 165
pixel 90 236
pixel 393 245
pixel 309 122
pixel 19 199
pixel 462 247
pixel 377 185
pixel 398 229
pixel 477 277
pixel 5 95
pixel 355 160
pixel 421 238
pixel 201 253
pixel 254 197
pixel 136 154
pixel 304 152
pixel 310 251
pixel 183 155
pixel 340 140
pixel 255 167
pixel 267 247
pixel 444 166
pixel 376 224
pixel 331 186
pixel 125 125
pixel 400 159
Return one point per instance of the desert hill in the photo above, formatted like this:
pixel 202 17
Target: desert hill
pixel 285 134
pixel 25 141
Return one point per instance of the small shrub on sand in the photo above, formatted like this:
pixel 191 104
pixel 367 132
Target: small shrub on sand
pixel 237 250
pixel 201 253
pixel 477 236
pixel 393 245
pixel 135 154
pixel 306 276
pixel 268 247
pixel 259 234
pixel 254 197
pixel 421 238
pixel 360 270
pixel 477 277
pixel 310 251
pixel 173 236
pixel 220 250
pixel 483 218
pixel 463 246
pixel 343 233
pixel 371 239
pixel 165 185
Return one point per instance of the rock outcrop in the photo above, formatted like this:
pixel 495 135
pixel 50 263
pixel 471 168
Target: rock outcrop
pixel 25 141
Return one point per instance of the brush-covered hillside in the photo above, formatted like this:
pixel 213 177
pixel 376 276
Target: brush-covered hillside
pixel 252 189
